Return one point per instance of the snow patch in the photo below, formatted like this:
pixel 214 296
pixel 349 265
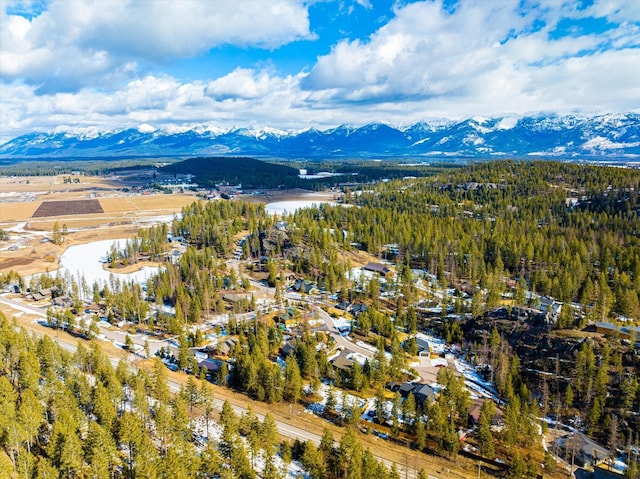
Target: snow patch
pixel 507 123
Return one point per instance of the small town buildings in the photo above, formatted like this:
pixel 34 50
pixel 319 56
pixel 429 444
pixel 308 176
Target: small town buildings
pixel 62 302
pixel 225 347
pixel 421 392
pixel 287 349
pixel 343 361
pixel 606 471
pixel 301 286
pixel 12 288
pixel 351 308
pixel 424 393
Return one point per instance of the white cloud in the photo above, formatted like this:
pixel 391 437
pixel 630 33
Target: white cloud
pixel 485 57
pixel 75 43
pixel 242 83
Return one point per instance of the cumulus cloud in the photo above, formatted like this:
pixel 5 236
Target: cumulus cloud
pixel 491 55
pixel 78 43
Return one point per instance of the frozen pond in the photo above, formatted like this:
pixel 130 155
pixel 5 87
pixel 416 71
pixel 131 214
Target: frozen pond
pixel 85 260
pixel 287 207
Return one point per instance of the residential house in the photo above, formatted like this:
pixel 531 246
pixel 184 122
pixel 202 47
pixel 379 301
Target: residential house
pixel 211 365
pixel 281 226
pixel 406 388
pixel 287 349
pixel 423 393
pixel 358 308
pixel 578 449
pixel 343 361
pixel 622 332
pixel 225 347
pixel 301 286
pixel 62 302
pixel 234 298
pixel 12 288
pixel 606 471
pixel 379 268
pixel 550 307
pixel 423 346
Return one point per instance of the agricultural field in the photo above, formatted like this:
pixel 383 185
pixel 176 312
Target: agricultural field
pixel 91 208
pixel 68 208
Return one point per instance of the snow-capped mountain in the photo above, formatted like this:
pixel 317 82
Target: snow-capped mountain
pixel 553 136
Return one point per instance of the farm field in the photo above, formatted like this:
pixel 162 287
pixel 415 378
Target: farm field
pixel 28 250
pixel 67 208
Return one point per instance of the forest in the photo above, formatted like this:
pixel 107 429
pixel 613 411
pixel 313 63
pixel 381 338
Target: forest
pixel 74 415
pixel 499 235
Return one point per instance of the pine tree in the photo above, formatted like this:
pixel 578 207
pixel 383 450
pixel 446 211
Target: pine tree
pixel 485 436
pixel 292 380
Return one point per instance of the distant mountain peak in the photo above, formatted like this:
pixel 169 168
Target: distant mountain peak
pixel 537 135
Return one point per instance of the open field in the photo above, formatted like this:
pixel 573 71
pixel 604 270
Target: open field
pixel 51 184
pixel 64 208
pixel 27 250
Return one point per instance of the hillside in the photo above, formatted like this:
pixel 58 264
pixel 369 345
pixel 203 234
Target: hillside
pixel 246 171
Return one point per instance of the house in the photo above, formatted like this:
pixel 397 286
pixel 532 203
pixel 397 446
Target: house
pixel 623 332
pixel 287 349
pixel 474 413
pixel 353 309
pixel 379 268
pixel 176 239
pixel 343 361
pixel 393 386
pixel 343 306
pixel 49 293
pixel 606 471
pixel 226 346
pixel 62 302
pixel 423 393
pixel 211 365
pixel 93 308
pixel 301 286
pixel 356 309
pixel 37 296
pixel 235 298
pixel 550 307
pixel 578 449
pixel 12 288
pixel 406 388
pixel 423 346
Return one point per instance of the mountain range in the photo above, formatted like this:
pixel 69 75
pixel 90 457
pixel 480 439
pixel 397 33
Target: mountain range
pixel 541 136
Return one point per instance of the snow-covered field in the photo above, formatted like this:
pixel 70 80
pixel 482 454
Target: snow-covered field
pixel 85 261
pixel 286 207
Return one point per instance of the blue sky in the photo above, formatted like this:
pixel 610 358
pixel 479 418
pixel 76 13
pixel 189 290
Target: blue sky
pixel 110 64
